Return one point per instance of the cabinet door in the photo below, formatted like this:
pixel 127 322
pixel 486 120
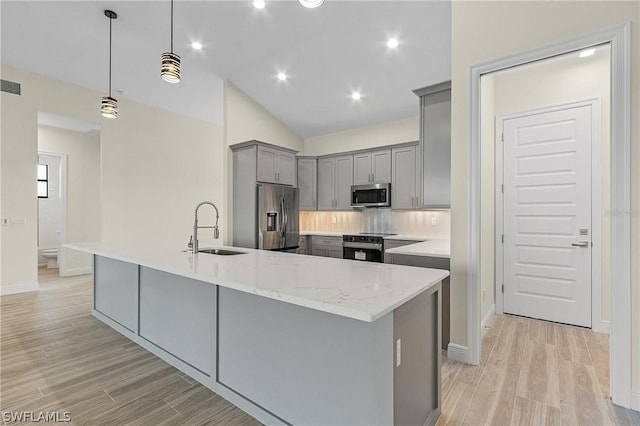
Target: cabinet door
pixel 286 168
pixel 335 252
pixel 344 180
pixel 115 291
pixel 403 182
pixel 362 168
pixel 326 183
pixel 319 251
pixel 307 169
pixel 266 164
pixel 436 149
pixel 381 166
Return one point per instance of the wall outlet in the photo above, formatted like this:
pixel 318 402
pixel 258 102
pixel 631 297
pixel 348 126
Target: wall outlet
pixel 334 219
pixel 434 220
pixel 398 353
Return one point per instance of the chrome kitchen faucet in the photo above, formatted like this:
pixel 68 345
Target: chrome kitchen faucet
pixel 194 238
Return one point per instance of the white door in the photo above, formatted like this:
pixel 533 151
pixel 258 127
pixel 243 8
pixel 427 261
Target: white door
pixel 547 215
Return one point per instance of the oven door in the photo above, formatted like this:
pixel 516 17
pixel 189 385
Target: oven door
pixel 361 253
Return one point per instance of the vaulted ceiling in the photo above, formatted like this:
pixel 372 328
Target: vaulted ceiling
pixel 327 53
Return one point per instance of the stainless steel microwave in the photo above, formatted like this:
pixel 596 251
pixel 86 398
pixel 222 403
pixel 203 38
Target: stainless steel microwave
pixel 371 195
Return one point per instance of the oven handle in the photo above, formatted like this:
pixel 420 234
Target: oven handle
pixel 366 246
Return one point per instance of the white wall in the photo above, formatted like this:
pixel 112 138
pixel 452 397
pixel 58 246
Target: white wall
pixel 19 141
pixel 83 218
pixel 246 120
pixel 50 208
pixel 389 133
pixel 487 252
pixel 156 166
pixel 485 30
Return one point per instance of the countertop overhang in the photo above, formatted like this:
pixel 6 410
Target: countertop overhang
pixel 363 291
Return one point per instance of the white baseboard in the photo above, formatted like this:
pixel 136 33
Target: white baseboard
pixel 604 327
pixel 458 353
pixel 635 400
pixel 487 318
pixel 76 271
pixel 19 288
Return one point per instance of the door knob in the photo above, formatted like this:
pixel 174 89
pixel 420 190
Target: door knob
pixel 581 244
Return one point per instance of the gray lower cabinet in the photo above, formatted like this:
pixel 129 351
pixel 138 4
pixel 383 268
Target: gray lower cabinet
pixel 326 246
pixel 177 314
pixel 435 263
pixel 282 363
pixel 390 244
pixel 313 368
pixel 115 292
pixel 303 244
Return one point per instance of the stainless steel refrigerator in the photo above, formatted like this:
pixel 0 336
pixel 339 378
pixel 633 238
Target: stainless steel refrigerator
pixel 278 223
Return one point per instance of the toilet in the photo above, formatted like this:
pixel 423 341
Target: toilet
pixel 52 257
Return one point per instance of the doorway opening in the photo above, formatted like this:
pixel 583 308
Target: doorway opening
pixel 619 277
pixel 71 212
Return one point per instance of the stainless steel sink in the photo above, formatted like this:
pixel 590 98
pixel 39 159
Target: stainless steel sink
pixel 221 252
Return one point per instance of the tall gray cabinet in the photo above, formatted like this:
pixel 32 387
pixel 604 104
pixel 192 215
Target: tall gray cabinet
pixel 435 144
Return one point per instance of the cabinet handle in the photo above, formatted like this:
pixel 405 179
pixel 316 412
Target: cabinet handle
pixel 277 177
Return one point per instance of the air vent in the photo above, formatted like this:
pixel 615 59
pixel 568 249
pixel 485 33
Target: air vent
pixel 10 87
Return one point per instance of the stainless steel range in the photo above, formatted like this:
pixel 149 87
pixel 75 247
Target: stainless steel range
pixel 367 247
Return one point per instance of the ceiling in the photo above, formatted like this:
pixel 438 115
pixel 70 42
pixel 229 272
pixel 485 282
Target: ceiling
pixel 327 53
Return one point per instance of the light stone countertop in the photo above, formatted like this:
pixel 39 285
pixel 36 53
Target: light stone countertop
pixel 363 291
pixel 430 248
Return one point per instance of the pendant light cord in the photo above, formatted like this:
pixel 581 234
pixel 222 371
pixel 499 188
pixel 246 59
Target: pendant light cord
pixel 110 36
pixel 171 26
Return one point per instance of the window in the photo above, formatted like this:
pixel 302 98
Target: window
pixel 43 181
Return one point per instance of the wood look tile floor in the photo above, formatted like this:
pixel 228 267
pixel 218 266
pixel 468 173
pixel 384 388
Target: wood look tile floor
pixel 54 356
pixel 533 373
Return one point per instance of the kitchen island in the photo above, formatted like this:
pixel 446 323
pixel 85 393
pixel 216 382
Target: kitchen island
pixel 290 339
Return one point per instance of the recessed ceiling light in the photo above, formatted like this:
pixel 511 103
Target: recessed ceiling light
pixel 282 76
pixel 310 4
pixel 259 4
pixel 392 43
pixel 197 46
pixel 356 96
pixel 586 53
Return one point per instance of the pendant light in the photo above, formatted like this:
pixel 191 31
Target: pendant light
pixel 170 70
pixel 311 4
pixel 109 105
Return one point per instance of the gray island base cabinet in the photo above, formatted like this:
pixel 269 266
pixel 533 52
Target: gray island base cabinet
pixel 283 363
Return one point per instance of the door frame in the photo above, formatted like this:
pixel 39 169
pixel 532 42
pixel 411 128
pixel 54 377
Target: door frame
pixel 62 268
pixel 619 37
pixel 596 205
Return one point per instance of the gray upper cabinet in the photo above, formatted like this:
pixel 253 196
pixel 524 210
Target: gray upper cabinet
pixel 307 175
pixel 372 167
pixel 435 140
pixel 335 177
pixel 276 166
pixel 405 181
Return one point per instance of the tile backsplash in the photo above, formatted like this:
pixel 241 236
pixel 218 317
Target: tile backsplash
pixel 424 223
